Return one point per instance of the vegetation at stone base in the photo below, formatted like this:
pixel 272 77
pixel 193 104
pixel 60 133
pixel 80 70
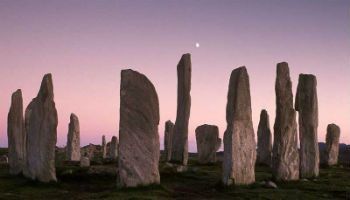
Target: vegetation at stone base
pixel 199 182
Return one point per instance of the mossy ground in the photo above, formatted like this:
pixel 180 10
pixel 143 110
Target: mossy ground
pixel 199 182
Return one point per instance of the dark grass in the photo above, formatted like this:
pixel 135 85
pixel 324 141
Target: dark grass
pixel 199 182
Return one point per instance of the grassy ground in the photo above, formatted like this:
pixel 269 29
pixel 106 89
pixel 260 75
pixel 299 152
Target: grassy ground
pixel 199 182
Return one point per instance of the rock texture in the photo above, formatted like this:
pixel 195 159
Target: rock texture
pixel 307 105
pixel 179 153
pixel 239 142
pixel 73 139
pixel 16 134
pixel 332 143
pixel 41 128
pixel 113 149
pixel 168 136
pixel 139 147
pixel 208 142
pixel 285 155
pixel 264 151
pixel 104 147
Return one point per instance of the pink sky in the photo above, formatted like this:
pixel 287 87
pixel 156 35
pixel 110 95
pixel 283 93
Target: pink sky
pixel 85 44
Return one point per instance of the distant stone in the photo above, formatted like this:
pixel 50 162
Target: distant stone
pixel 168 136
pixel 16 134
pixel 104 147
pixel 138 131
pixel 239 142
pixel 179 152
pixel 285 155
pixel 208 142
pixel 307 105
pixel 73 139
pixel 113 149
pixel 84 161
pixel 332 142
pixel 41 128
pixel 264 151
pixel 4 159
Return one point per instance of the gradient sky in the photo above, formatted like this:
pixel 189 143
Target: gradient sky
pixel 85 44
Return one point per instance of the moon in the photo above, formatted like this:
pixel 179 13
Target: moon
pixel 197 45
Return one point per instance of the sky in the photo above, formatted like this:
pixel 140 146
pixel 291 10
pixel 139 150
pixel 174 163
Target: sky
pixel 86 43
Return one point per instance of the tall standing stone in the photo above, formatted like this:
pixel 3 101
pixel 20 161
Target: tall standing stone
pixel 104 147
pixel 332 142
pixel 113 149
pixel 239 142
pixel 285 155
pixel 41 128
pixel 179 153
pixel 168 136
pixel 307 106
pixel 139 147
pixel 16 134
pixel 73 139
pixel 264 150
pixel 208 142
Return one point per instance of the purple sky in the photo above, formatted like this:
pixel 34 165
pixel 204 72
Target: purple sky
pixel 85 44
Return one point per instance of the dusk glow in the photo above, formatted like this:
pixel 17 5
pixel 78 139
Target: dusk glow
pixel 85 45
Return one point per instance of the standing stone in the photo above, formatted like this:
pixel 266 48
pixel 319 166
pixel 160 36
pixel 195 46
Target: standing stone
pixel 332 142
pixel 168 136
pixel 104 147
pixel 113 149
pixel 84 161
pixel 264 154
pixel 239 142
pixel 41 128
pixel 307 106
pixel 208 142
pixel 285 155
pixel 179 152
pixel 16 134
pixel 139 147
pixel 73 139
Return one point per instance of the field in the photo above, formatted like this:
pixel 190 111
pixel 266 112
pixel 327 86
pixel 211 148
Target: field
pixel 199 182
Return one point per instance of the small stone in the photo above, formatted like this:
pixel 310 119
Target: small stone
pixel 104 147
pixel 270 184
pixel 168 139
pixel 84 161
pixel 16 134
pixel 113 149
pixel 73 139
pixel 208 142
pixel 264 151
pixel 332 143
pixel 4 159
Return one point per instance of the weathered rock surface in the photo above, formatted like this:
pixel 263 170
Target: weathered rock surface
pixel 239 142
pixel 138 131
pixel 84 161
pixel 41 128
pixel 285 155
pixel 16 134
pixel 104 147
pixel 332 142
pixel 208 142
pixel 168 136
pixel 73 139
pixel 4 159
pixel 307 105
pixel 113 149
pixel 179 153
pixel 264 151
